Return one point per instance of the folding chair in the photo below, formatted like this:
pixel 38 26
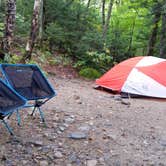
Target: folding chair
pixel 10 101
pixel 29 82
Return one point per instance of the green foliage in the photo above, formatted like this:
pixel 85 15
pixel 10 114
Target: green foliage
pixel 1 29
pixel 99 61
pixel 12 59
pixel 72 28
pixel 89 73
pixel 60 60
pixel 75 32
pixel 22 25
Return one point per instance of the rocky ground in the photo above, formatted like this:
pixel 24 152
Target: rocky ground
pixel 87 127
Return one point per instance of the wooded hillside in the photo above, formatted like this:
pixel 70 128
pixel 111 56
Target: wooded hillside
pixel 87 34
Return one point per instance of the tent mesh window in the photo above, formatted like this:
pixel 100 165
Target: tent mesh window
pixel 28 81
pixel 8 100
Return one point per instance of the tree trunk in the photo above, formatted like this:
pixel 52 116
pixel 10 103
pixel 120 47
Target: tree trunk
pixel 163 37
pixel 9 26
pixel 34 31
pixel 103 13
pixel 105 29
pixel 131 36
pixel 41 18
pixel 153 37
pixel 88 4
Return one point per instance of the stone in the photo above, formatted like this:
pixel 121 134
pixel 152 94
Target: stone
pixel 36 143
pixel 163 142
pixel 84 128
pixel 43 163
pixel 69 120
pixel 91 162
pixel 117 98
pixel 61 128
pixel 58 155
pixel 125 102
pixel 77 135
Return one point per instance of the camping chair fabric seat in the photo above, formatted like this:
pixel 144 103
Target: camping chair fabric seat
pixel 28 81
pixel 9 100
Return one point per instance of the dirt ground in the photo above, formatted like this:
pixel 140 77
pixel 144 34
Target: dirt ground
pixel 87 127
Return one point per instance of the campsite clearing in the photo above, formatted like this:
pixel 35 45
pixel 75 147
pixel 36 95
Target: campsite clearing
pixel 88 127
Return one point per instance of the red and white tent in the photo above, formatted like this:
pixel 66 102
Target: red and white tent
pixel 144 76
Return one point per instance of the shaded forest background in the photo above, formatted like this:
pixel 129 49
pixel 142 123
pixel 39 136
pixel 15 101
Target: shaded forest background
pixel 89 35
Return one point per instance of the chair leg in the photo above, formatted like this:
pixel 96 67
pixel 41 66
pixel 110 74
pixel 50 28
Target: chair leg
pixel 33 110
pixel 18 118
pixel 7 127
pixel 41 114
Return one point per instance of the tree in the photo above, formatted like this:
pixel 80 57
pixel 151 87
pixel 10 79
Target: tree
pixel 163 36
pixel 153 37
pixel 9 26
pixel 105 28
pixel 103 13
pixel 88 4
pixel 34 30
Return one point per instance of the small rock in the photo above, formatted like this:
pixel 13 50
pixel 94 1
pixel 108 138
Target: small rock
pixel 69 120
pixel 36 143
pixel 72 116
pixel 58 155
pixel 24 162
pixel 91 162
pixel 43 163
pixel 66 125
pixel 162 142
pixel 61 128
pixel 79 102
pixel 77 135
pixel 84 128
pixel 117 98
pixel 125 102
pixel 91 123
pixel 76 97
pixel 56 117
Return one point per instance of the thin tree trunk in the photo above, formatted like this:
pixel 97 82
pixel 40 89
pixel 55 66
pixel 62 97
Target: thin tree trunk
pixel 88 4
pixel 108 19
pixel 34 31
pixel 103 13
pixel 41 18
pixel 163 37
pixel 9 26
pixel 131 36
pixel 153 37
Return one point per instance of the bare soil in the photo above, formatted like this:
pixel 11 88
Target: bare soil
pixel 117 132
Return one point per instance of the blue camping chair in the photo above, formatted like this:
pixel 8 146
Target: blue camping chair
pixel 10 101
pixel 30 83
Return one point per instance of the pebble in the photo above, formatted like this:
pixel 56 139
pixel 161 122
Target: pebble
pixel 117 98
pixel 43 163
pixel 162 142
pixel 36 143
pixel 91 162
pixel 84 128
pixel 69 120
pixel 77 135
pixel 58 155
pixel 61 128
pixel 125 102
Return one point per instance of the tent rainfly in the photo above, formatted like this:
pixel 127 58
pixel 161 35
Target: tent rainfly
pixel 142 75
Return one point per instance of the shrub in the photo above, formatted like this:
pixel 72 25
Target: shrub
pixel 89 73
pixel 99 61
